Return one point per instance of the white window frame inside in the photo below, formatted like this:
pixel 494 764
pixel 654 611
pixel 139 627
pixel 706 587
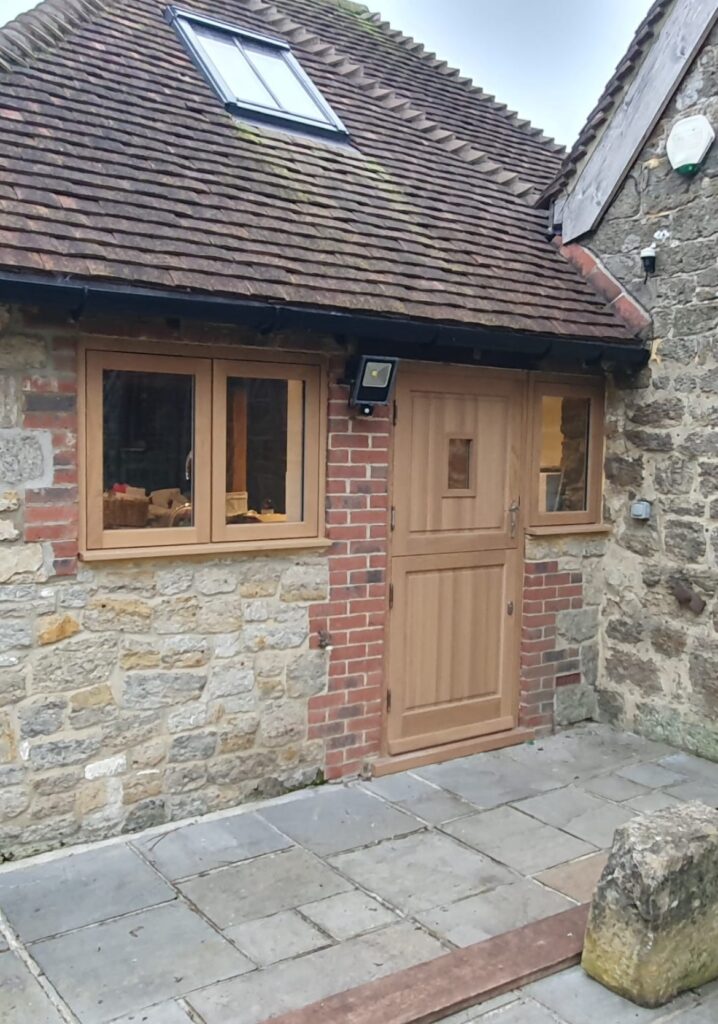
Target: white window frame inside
pixel 185 23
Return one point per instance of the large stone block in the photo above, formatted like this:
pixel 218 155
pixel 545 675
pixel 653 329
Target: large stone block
pixel 20 560
pixel 76 663
pixel 18 352
pixel 653 926
pixel 22 458
pixel 149 690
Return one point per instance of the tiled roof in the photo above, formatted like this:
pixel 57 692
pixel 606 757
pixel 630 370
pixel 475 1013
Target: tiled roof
pixel 616 86
pixel 119 164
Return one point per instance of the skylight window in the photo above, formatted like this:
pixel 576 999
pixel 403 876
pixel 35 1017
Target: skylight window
pixel 255 76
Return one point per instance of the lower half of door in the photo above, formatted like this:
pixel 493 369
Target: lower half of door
pixel 454 648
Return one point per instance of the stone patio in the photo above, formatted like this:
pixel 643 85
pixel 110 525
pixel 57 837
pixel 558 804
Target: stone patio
pixel 241 917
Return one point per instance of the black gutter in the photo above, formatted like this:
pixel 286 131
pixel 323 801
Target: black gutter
pixel 76 299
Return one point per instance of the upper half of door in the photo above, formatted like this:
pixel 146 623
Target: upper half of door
pixel 457 459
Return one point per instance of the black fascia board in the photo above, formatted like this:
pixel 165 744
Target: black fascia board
pixel 75 299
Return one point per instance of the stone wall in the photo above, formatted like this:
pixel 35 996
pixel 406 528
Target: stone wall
pixel 133 693
pixel 659 664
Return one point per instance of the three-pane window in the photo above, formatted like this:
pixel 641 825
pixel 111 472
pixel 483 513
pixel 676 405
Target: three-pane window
pixel 183 451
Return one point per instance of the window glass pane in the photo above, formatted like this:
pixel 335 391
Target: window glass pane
pixel 459 463
pixel 564 454
pixel 265 451
pixel 233 67
pixel 279 76
pixel 148 424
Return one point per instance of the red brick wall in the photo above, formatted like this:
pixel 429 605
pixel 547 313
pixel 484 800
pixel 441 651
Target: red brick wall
pixel 50 406
pixel 353 621
pixel 545 662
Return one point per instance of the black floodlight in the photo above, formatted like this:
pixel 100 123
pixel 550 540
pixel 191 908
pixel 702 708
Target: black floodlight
pixel 372 380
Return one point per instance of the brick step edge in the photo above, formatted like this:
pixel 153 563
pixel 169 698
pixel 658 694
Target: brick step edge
pixel 457 981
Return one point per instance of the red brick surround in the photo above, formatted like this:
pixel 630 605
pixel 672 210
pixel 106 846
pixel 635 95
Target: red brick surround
pixel 50 406
pixel 353 621
pixel 545 664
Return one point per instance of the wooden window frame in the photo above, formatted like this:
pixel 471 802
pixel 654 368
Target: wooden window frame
pixel 552 387
pixel 308 525
pixel 209 533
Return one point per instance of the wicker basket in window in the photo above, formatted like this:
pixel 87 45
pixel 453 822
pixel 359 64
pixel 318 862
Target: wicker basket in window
pixel 124 513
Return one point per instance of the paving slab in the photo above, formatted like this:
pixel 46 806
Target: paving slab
pixel 585 751
pixel 22 999
pixel 337 819
pixel 296 983
pixel 523 843
pixel 613 787
pixel 422 871
pixel 705 1014
pixel 162 1013
pixel 271 939
pixel 577 999
pixel 577 879
pixel 693 767
pixel 656 801
pixel 651 775
pixel 697 789
pixel 493 913
pixel 77 890
pixel 348 914
pixel 583 815
pixel 524 1012
pixel 262 887
pixel 479 1012
pixel 419 797
pixel 208 845
pixel 120 966
pixel 488 780
pixel 561 806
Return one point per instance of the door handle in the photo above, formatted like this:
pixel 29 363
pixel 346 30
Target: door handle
pixel 513 518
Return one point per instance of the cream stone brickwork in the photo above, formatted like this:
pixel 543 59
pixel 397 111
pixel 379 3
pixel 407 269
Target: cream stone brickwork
pixel 659 658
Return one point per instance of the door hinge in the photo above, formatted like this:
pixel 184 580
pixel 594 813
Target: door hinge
pixel 391 595
pixel 388 700
pixel 510 608
pixel 395 414
pixel 392 518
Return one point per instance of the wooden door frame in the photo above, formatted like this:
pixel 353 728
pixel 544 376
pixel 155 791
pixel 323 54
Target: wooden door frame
pixel 524 377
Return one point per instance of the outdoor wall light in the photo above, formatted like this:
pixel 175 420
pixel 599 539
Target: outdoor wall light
pixel 648 259
pixel 372 382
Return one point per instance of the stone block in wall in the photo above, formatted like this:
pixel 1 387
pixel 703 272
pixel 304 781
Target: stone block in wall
pixel 149 690
pixel 19 352
pixel 577 625
pixel 685 540
pixel 25 457
pixel 117 614
pixel 21 561
pixel 575 703
pixel 9 402
pixel 75 663
pixel 307 674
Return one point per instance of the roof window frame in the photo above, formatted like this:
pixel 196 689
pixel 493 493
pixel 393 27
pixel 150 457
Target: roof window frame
pixel 184 22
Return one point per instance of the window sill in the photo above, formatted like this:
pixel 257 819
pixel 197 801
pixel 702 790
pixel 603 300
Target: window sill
pixel 189 550
pixel 568 528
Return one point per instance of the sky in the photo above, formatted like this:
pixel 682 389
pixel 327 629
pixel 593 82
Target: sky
pixel 547 59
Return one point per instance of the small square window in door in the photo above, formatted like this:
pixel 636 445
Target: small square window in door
pixel 460 452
